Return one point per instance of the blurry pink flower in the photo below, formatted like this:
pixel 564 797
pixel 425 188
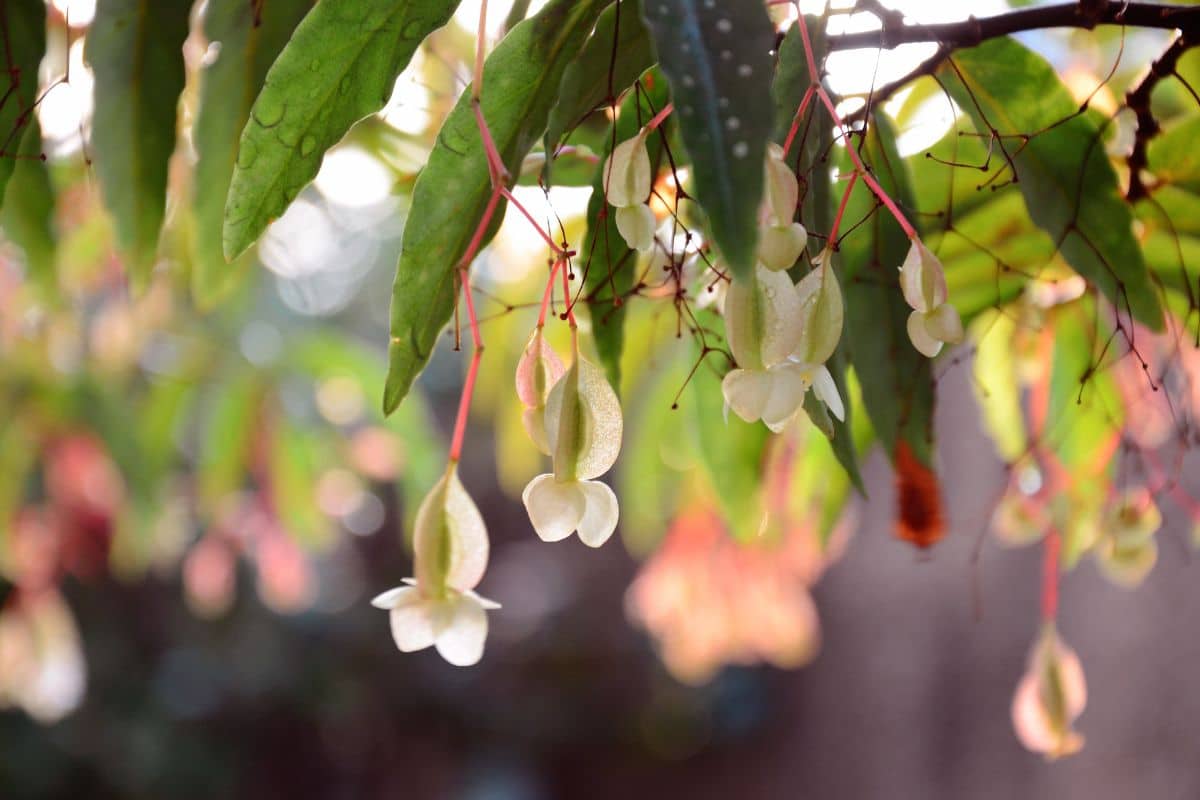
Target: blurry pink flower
pixel 1050 696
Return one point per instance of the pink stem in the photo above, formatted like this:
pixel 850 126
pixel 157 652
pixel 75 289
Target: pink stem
pixel 808 50
pixel 464 403
pixel 837 221
pixel 660 116
pixel 1053 544
pixel 558 251
pixel 787 143
pixel 477 238
pixel 566 282
pixel 496 168
pixel 541 323
pixel 480 43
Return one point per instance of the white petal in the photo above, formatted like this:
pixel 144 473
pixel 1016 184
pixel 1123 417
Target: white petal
pixel 412 624
pixel 779 246
pixel 944 324
pixel 599 515
pixel 762 318
pixel 461 643
pixel 822 312
pixel 538 369
pixel 393 597
pixel 919 336
pixel 488 605
pixel 782 190
pixel 450 543
pixel 599 443
pixel 627 175
pixel 827 391
pixel 746 392
pixel 555 508
pixel 785 395
pixel 636 225
pixel 922 278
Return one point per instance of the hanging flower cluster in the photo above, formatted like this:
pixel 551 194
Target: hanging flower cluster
pixel 933 322
pixel 627 181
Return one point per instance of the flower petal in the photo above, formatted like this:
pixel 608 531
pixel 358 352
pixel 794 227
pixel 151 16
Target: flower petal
pixel 598 442
pixel 779 246
pixel 919 336
pixel 636 225
pixel 394 597
pixel 762 318
pixel 538 369
pixel 746 392
pixel 827 392
pixel 785 394
pixel 555 508
pixel 627 175
pixel 943 324
pixel 822 311
pixel 461 642
pixel 782 190
pixel 412 623
pixel 599 515
pixel 922 278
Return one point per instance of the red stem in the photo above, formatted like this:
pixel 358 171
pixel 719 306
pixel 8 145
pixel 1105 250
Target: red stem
pixel 1053 544
pixel 464 403
pixel 541 323
pixel 837 221
pixel 660 116
pixel 787 143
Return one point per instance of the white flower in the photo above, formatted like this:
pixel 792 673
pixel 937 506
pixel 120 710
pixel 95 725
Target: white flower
pixel 1050 696
pixel 636 225
pixel 781 189
pixel 583 427
pixel 933 322
pixel 439 606
pixel 822 313
pixel 780 245
pixel 627 173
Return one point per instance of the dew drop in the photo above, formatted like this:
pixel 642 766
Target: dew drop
pixel 246 155
pixel 307 145
pixel 268 111
pixel 345 85
pixel 315 65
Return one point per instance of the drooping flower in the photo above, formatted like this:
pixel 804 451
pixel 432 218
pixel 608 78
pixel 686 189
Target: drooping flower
pixel 763 327
pixel 1126 551
pixel 440 607
pixel 1050 696
pixel 933 322
pixel 628 177
pixel 781 239
pixel 823 313
pixel 538 369
pixel 583 428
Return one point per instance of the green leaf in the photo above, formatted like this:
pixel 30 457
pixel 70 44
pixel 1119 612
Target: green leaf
pixel 21 49
pixel 732 452
pixel 520 83
pixel 135 49
pixel 1173 156
pixel 250 38
pixel 295 459
pixel 609 265
pixel 717 58
pixel 1063 172
pixel 340 65
pixel 29 222
pixel 896 380
pixel 996 384
pixel 595 76
pixel 228 437
pixel 949 177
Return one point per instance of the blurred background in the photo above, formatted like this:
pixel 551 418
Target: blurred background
pixel 200 498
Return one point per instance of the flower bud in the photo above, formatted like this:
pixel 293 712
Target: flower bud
pixel 627 174
pixel 762 319
pixel 636 225
pixel 538 369
pixel 780 246
pixel 922 278
pixel 822 313
pixel 782 190
pixel 451 542
pixel 583 423
pixel 1049 698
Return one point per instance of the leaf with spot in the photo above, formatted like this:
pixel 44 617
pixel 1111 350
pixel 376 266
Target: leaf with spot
pixel 22 45
pixel 1064 174
pixel 520 84
pixel 136 51
pixel 249 37
pixel 896 380
pixel 339 66
pixel 29 222
pixel 612 58
pixel 717 56
pixel 609 265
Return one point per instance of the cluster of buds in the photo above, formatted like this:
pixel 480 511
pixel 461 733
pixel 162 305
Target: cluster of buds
pixel 627 181
pixel 934 321
pixel 439 607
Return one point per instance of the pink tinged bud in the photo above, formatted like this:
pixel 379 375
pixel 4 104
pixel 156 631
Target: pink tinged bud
pixel 451 542
pixel 636 225
pixel 627 173
pixel 922 278
pixel 537 371
pixel 762 319
pixel 1049 698
pixel 822 313
pixel 781 189
pixel 780 246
